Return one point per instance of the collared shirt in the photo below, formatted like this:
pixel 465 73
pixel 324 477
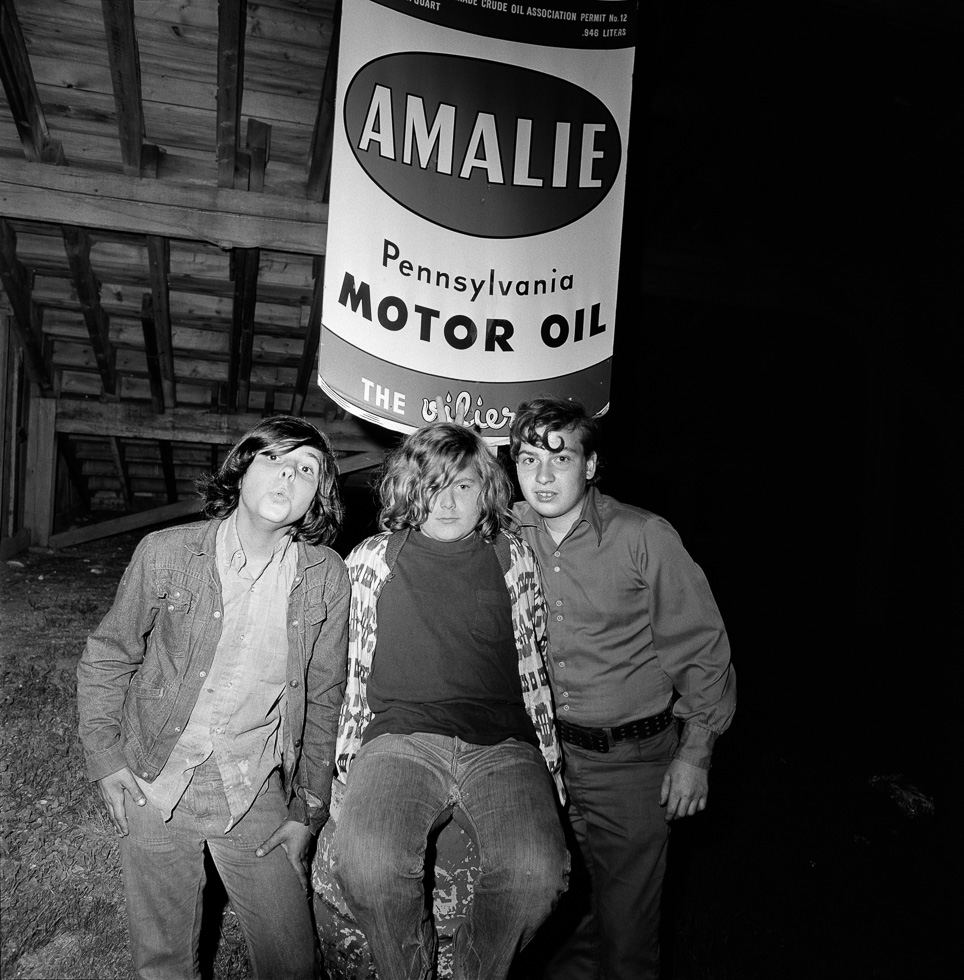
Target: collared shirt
pixel 239 710
pixel 632 623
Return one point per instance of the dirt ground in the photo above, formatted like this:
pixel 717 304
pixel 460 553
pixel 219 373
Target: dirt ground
pixel 801 867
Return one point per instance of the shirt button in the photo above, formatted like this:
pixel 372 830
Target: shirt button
pixel 565 707
pixel 562 663
pixel 204 673
pixel 556 554
pixel 558 602
pixel 145 775
pixel 297 743
pixel 177 595
pixel 176 728
pixel 217 615
pixel 294 622
pixel 558 619
pixel 170 609
pixel 556 569
pixel 293 682
pixel 565 694
pixel 219 731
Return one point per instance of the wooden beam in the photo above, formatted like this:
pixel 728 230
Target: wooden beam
pixel 258 152
pixel 21 91
pixel 41 473
pixel 115 202
pixel 232 19
pixel 159 265
pixel 150 352
pixel 129 522
pixel 167 465
pixel 360 461
pixel 92 418
pixel 117 455
pixel 308 368
pixel 27 316
pixel 77 245
pixel 319 158
pixel 125 75
pixel 244 270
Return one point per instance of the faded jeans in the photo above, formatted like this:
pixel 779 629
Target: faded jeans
pixel 164 880
pixel 401 788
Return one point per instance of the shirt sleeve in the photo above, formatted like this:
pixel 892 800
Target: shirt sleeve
pixel 690 641
pixel 113 654
pixel 327 671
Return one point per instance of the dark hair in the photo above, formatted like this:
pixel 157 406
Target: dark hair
pixel 428 461
pixel 222 491
pixel 535 419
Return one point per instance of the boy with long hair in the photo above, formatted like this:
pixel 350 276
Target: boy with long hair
pixel 209 696
pixel 447 713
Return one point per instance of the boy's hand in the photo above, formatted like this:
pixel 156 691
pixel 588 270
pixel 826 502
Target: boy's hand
pixel 294 837
pixel 112 789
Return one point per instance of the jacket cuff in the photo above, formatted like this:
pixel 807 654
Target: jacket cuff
pixel 696 745
pixel 105 762
pixel 314 817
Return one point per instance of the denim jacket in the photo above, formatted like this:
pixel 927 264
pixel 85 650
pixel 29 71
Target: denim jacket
pixel 143 667
pixel 370 567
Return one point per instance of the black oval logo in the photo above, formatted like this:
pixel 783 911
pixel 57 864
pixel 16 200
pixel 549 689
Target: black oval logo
pixel 482 148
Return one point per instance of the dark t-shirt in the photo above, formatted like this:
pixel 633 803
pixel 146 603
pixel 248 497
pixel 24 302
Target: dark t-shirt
pixel 445 660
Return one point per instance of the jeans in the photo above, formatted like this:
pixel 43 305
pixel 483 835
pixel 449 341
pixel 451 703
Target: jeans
pixel 621 837
pixel 401 788
pixel 164 880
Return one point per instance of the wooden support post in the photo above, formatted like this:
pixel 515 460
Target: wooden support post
pixel 41 470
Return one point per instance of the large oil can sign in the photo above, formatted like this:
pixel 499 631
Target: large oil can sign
pixel 478 177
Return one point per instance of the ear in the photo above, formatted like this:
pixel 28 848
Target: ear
pixel 591 467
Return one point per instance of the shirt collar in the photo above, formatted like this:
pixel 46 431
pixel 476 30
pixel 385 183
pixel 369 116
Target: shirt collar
pixel 527 517
pixel 231 553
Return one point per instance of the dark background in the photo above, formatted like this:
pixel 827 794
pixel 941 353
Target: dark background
pixel 784 393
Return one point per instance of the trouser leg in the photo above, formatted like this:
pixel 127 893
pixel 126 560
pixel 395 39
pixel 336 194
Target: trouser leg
pixel 163 881
pixel 395 795
pixel 506 801
pixel 622 836
pixel 265 893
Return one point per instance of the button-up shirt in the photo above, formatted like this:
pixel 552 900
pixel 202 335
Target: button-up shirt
pixel 632 624
pixel 239 710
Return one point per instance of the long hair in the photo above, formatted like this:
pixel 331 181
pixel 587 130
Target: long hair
pixel 428 461
pixel 535 419
pixel 280 433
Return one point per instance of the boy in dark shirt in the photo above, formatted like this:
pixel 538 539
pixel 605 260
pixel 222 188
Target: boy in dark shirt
pixel 446 713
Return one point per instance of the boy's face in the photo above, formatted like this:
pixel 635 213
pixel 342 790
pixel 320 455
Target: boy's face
pixel 456 509
pixel 278 487
pixel 555 481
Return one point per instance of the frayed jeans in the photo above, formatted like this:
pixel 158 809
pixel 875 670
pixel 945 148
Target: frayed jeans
pixel 164 880
pixel 403 787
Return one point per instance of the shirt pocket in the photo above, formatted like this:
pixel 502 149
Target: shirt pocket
pixel 492 619
pixel 177 603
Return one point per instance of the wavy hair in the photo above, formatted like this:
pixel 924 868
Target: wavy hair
pixel 280 433
pixel 428 461
pixel 554 415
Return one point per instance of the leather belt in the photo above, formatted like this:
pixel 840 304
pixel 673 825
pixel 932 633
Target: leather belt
pixel 603 739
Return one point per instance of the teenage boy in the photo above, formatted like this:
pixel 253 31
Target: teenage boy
pixel 447 714
pixel 637 649
pixel 209 699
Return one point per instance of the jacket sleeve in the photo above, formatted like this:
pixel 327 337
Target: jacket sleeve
pixel 111 658
pixel 325 691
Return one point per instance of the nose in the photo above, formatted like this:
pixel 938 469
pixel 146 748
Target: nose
pixel 446 498
pixel 287 471
pixel 544 472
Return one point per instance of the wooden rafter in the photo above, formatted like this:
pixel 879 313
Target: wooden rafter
pixel 117 455
pixel 167 466
pixel 125 419
pixel 232 19
pixel 77 245
pixel 308 368
pixel 244 269
pixel 159 264
pixel 256 153
pixel 27 315
pixel 150 352
pixel 115 202
pixel 319 160
pixel 21 91
pixel 125 74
